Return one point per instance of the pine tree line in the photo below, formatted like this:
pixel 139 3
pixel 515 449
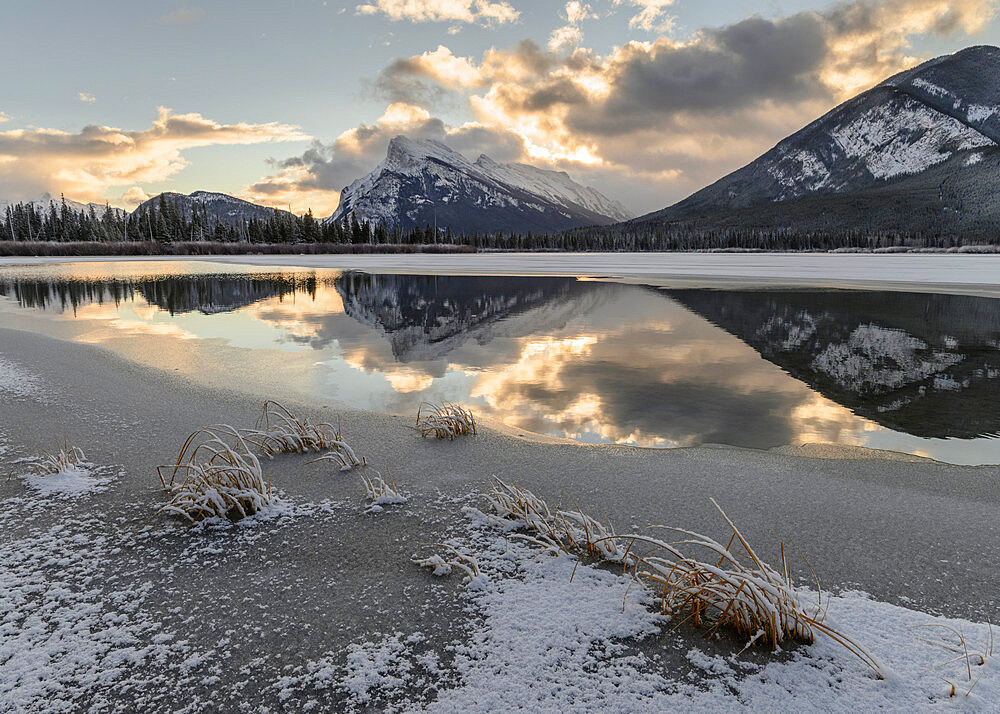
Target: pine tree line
pixel 167 221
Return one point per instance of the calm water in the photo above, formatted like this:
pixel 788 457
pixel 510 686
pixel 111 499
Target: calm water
pixel 592 361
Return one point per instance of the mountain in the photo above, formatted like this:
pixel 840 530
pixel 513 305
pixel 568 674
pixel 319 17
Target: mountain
pixel 43 202
pixel 427 183
pixel 220 207
pixel 918 152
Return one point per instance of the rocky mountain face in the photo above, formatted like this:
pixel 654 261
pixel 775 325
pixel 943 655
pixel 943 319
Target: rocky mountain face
pixel 925 142
pixel 220 207
pixel 426 183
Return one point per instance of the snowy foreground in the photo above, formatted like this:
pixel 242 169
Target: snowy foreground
pixel 541 633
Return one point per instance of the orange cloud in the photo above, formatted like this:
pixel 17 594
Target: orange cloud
pixel 86 164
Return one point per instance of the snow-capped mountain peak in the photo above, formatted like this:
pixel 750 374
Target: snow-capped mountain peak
pixel 422 182
pixel 406 154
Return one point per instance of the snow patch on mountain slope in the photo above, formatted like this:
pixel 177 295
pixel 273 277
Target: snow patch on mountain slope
pixel 799 173
pixel 981 113
pixel 890 139
pixel 894 143
pixel 556 186
pixel 932 88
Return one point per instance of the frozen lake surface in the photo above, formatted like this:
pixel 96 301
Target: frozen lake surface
pixel 567 357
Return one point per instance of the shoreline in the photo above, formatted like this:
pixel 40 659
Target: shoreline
pixel 957 274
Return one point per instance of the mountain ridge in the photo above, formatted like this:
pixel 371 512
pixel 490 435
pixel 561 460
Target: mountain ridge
pixel 219 206
pixel 905 125
pixel 427 183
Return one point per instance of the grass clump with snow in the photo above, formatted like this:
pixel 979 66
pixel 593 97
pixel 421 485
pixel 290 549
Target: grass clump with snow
pixel 733 587
pixel 555 530
pixel 214 478
pixel 444 421
pixel 65 472
pixel 729 586
pixel 342 456
pixel 279 431
pixel 381 492
pixel 954 642
pixel 68 459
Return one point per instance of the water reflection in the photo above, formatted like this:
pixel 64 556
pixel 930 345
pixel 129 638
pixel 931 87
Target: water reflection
pixel 923 364
pixel 593 361
pixel 208 294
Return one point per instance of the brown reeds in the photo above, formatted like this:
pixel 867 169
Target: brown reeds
pixel 381 492
pixel 213 478
pixel 67 458
pixel 279 431
pixel 554 529
pixel 729 586
pixel 444 421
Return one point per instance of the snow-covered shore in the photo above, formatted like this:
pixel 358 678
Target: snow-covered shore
pixel 317 605
pixel 950 273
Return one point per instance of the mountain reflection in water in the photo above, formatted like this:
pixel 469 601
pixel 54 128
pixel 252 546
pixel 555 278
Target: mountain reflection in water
pixel 592 361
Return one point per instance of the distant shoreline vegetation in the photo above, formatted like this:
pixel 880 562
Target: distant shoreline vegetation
pixel 27 229
pixel 9 249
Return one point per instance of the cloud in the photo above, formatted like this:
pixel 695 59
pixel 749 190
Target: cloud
pixel 86 98
pixel 4 117
pixel 86 164
pixel 570 35
pixel 565 38
pixel 576 12
pixel 652 16
pixel 183 16
pixel 134 196
pixel 423 78
pixel 672 115
pixel 315 178
pixel 482 11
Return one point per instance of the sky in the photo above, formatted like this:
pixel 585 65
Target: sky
pixel 285 103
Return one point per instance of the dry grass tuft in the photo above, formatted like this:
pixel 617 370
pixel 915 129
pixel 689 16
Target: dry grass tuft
pixel 68 458
pixel 380 491
pixel 214 478
pixel 959 648
pixel 279 431
pixel 342 456
pixel 732 588
pixel 555 530
pixel 444 421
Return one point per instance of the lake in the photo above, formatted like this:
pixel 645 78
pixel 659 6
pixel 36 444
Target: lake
pixel 593 361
